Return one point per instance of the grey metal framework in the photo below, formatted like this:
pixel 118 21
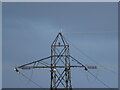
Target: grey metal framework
pixel 60 66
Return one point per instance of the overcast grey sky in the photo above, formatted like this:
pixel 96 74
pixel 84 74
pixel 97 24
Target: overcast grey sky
pixel 30 28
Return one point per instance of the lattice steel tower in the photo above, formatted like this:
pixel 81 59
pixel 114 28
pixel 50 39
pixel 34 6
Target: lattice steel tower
pixel 60 64
pixel 60 52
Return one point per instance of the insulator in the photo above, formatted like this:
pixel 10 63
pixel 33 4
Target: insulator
pixel 16 69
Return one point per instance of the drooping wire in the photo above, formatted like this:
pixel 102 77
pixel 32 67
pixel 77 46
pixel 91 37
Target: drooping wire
pixel 98 79
pixel 96 75
pixel 89 58
pixel 30 79
pixel 91 73
pixel 31 75
pixel 41 62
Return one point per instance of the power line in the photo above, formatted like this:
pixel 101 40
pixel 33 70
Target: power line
pixel 96 75
pixel 89 58
pixel 30 79
pixel 91 73
pixel 59 50
pixel 98 79
pixel 31 75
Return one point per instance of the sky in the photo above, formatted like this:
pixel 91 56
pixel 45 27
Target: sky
pixel 29 29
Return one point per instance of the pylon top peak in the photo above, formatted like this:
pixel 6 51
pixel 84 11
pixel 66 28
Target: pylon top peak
pixel 59 40
pixel 59 33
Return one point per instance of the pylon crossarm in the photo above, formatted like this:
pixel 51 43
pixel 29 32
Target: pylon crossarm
pixel 33 67
pixel 85 67
pixel 39 60
pixel 26 66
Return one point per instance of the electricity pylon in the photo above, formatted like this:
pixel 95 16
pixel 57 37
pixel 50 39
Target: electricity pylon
pixel 60 66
